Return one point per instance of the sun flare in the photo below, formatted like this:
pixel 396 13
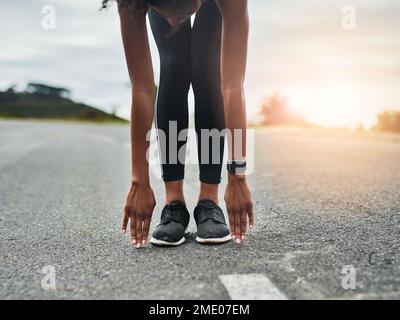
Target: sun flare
pixel 332 106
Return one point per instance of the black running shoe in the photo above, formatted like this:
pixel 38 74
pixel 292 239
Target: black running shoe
pixel 171 230
pixel 211 225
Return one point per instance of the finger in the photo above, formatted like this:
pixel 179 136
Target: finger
pixel 133 230
pixel 251 216
pixel 243 224
pixel 125 221
pixel 231 223
pixel 146 227
pixel 139 223
pixel 237 226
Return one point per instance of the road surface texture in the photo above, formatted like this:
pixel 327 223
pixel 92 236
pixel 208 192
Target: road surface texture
pixel 323 201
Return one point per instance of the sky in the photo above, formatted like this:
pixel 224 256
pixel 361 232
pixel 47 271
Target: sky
pixel 338 68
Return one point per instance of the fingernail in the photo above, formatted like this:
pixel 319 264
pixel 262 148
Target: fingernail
pixel 238 241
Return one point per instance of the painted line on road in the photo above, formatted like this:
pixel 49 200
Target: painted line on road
pixel 253 286
pixel 102 137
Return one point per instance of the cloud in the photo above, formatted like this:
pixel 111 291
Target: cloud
pixel 294 45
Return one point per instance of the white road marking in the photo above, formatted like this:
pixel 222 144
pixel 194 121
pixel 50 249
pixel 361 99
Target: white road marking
pixel 251 287
pixel 102 137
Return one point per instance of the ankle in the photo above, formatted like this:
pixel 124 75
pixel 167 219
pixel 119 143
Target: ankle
pixel 174 191
pixel 209 192
pixel 174 197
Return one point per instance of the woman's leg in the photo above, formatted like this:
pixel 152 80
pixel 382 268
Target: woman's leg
pixel 209 111
pixel 172 100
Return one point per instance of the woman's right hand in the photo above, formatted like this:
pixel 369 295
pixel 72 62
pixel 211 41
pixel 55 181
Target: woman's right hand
pixel 139 207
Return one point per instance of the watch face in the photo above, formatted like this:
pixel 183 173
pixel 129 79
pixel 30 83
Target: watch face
pixel 240 170
pixel 237 167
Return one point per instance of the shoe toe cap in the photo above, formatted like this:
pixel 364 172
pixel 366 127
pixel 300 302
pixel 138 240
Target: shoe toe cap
pixel 171 232
pixel 211 230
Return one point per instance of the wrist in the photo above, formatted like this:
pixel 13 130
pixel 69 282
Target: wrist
pixel 140 174
pixel 140 184
pixel 140 180
pixel 236 178
pixel 237 167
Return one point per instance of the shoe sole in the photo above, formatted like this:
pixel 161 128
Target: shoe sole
pixel 162 243
pixel 213 240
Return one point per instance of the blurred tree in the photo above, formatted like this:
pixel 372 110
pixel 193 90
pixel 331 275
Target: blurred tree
pixel 42 89
pixel 9 95
pixel 12 89
pixel 389 121
pixel 276 111
pixel 114 110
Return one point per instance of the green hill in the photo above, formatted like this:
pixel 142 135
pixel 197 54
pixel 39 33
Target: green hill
pixel 45 102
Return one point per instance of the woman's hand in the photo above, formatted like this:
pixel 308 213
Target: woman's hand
pixel 239 203
pixel 138 209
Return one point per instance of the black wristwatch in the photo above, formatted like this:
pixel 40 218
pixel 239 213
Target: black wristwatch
pixel 237 167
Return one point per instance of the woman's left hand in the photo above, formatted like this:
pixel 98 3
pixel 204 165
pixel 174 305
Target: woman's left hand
pixel 239 204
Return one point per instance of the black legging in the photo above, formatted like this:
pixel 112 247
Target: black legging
pixel 190 56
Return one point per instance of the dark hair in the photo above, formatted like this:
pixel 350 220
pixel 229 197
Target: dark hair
pixel 140 5
pixel 180 9
pixel 143 5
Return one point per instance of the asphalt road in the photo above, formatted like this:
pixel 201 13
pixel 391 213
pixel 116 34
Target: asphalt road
pixel 322 201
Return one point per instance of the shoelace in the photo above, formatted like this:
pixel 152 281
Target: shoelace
pixel 169 213
pixel 209 213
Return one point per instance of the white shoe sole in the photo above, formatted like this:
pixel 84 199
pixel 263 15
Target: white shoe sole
pixel 214 240
pixel 166 243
